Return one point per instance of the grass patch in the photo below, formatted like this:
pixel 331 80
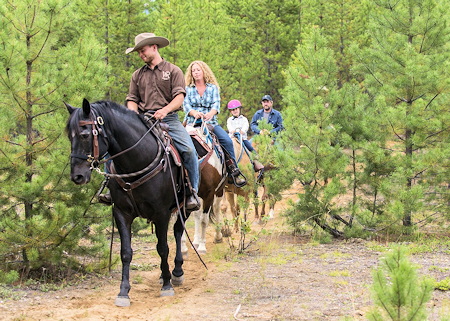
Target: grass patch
pixel 443 285
pixel 438 269
pixel 143 267
pixel 9 293
pixel 341 273
pixel 138 279
pixel 340 282
pixel 377 247
pixel 335 255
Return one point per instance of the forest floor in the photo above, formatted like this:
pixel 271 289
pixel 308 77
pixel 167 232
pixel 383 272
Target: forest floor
pixel 279 277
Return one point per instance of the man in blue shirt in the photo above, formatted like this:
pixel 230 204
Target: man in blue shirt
pixel 268 114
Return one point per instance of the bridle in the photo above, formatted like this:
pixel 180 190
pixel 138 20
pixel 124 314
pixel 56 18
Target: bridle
pixel 95 160
pixel 94 157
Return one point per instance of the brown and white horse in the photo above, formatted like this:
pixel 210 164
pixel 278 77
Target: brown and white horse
pixel 213 177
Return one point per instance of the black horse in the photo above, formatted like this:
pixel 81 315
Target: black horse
pixel 145 180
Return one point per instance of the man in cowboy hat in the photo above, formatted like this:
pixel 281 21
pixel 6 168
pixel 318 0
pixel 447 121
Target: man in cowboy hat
pixel 159 87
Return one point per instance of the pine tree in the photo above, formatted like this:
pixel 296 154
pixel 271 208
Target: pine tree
pixel 398 292
pixel 44 60
pixel 115 24
pixel 405 68
pixel 309 139
pixel 342 22
pixel 354 121
pixel 264 34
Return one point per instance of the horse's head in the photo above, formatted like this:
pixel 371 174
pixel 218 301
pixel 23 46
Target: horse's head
pixel 83 129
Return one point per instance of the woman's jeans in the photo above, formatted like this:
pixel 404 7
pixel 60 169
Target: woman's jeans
pixel 225 141
pixel 249 146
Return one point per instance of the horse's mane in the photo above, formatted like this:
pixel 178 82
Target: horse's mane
pixel 108 109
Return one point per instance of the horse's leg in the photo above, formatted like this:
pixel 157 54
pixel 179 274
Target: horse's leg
pixel 237 214
pixel 184 248
pixel 272 208
pixel 177 272
pixel 262 213
pixel 200 231
pixel 256 204
pixel 162 247
pixel 126 254
pixel 264 199
pixel 230 198
pixel 198 227
pixel 217 219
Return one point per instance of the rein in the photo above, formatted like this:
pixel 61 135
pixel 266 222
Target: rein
pixel 131 147
pixel 241 153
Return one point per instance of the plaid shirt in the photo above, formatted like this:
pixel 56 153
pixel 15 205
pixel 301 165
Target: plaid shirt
pixel 209 100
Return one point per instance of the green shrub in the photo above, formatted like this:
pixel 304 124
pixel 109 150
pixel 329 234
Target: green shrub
pixel 9 277
pixel 398 292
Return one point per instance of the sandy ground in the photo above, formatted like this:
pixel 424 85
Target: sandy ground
pixel 280 277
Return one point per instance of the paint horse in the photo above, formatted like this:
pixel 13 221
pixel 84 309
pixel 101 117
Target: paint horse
pixel 212 182
pixel 147 179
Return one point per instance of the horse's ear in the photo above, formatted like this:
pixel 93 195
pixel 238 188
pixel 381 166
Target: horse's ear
pixel 86 107
pixel 71 109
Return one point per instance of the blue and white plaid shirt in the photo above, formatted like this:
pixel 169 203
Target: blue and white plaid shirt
pixel 209 100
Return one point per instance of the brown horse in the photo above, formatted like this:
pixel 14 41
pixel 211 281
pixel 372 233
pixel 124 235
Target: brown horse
pixel 212 183
pixel 248 192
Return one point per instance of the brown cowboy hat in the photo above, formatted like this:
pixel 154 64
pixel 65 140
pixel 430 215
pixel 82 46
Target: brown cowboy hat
pixel 147 38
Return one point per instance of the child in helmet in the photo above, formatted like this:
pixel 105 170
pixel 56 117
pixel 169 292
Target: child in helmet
pixel 238 123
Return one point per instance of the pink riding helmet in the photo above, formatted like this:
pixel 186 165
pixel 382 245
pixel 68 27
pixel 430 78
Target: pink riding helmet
pixel 233 104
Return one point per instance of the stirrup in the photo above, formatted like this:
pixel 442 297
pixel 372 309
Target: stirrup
pixel 235 180
pixel 260 176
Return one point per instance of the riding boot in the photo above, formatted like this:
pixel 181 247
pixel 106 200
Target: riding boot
pixel 236 176
pixel 257 166
pixel 105 198
pixel 192 201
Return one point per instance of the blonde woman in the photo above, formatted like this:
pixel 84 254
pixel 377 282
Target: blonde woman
pixel 202 103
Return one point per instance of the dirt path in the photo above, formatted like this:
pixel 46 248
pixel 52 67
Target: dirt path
pixel 280 278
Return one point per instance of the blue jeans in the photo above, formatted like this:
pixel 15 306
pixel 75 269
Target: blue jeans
pixel 225 141
pixel 249 146
pixel 247 143
pixel 185 147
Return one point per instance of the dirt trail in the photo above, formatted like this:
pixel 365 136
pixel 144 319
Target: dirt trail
pixel 280 278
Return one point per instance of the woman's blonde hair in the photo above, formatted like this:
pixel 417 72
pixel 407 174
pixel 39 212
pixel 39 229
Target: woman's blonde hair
pixel 207 74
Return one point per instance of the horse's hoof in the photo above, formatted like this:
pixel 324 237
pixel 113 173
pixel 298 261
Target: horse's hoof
pixel 122 301
pixel 177 280
pixel 217 241
pixel 167 292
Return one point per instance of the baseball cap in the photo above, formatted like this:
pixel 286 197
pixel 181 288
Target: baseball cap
pixel 266 97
